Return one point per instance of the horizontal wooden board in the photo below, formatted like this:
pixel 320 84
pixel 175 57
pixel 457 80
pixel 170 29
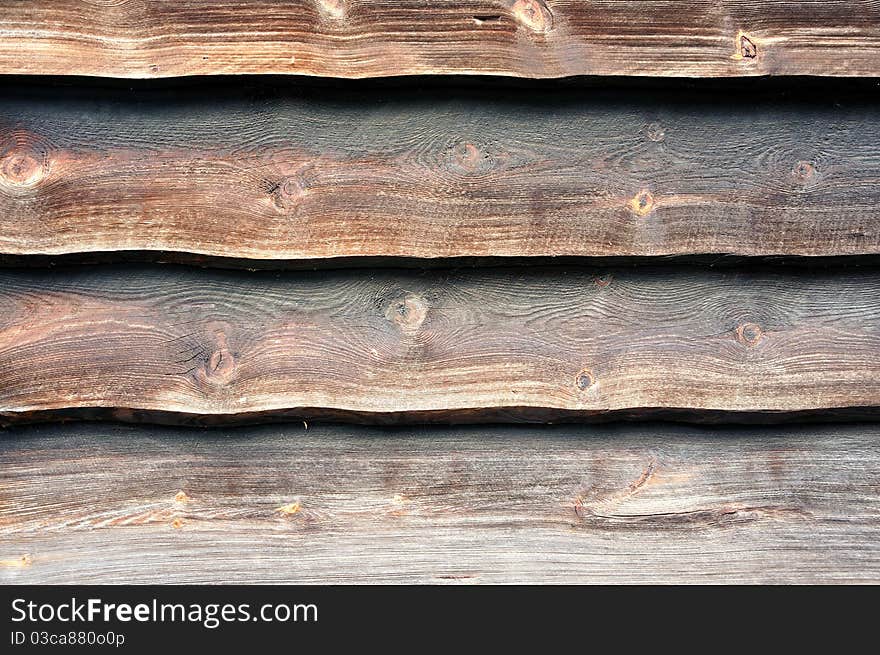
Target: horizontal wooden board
pixel 103 503
pixel 443 345
pixel 361 38
pixel 433 173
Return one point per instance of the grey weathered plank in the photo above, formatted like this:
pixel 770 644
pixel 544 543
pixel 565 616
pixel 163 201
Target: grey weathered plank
pixel 649 503
pixel 446 345
pixel 364 38
pixel 327 173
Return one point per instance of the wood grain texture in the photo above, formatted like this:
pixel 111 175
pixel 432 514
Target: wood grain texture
pixel 441 345
pixel 648 504
pixel 361 38
pixel 432 173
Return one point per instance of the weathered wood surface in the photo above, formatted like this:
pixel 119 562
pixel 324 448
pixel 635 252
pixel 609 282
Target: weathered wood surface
pixel 324 173
pixel 102 503
pixel 363 38
pixel 447 345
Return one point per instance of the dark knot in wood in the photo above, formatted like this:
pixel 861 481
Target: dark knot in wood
pixel 749 334
pixel 642 204
pixel 22 167
pixel 469 158
pixel 603 280
pixel 289 193
pixel 747 48
pixel 805 173
pixel 584 380
pixel 220 367
pixel 408 312
pixel 655 132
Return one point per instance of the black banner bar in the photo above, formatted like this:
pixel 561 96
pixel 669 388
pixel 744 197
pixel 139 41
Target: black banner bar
pixel 125 617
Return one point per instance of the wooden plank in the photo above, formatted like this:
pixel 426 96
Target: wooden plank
pixel 106 503
pixel 328 173
pixel 361 38
pixel 442 345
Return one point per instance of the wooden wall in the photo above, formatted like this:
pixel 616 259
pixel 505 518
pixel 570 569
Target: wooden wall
pixel 291 171
pixel 364 38
pixel 329 504
pixel 439 329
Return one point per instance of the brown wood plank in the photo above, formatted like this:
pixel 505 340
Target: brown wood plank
pixel 326 173
pixel 104 503
pixel 443 345
pixel 361 38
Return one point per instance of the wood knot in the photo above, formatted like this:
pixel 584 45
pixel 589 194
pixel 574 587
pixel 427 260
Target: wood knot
pixel 642 203
pixel 749 334
pixel 333 8
pixel 288 193
pixel 804 173
pixel 584 380
pixel 22 167
pixel 181 497
pixel 655 132
pixel 18 563
pixel 220 366
pixel 408 312
pixel 603 281
pixel 467 157
pixel 745 47
pixel 643 479
pixel 290 509
pixel 533 14
pixel 177 523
